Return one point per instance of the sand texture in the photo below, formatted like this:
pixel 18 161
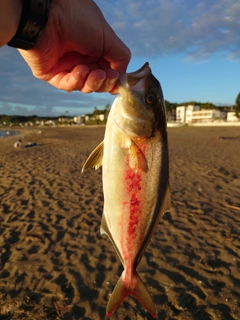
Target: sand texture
pixel 54 264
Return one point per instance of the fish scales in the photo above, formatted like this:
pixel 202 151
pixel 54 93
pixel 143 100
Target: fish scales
pixel 134 156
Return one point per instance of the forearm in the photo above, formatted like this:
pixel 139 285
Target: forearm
pixel 10 13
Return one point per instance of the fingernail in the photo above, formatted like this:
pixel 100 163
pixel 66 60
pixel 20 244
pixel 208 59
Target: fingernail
pixel 112 81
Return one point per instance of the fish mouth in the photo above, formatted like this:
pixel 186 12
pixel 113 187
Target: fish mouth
pixel 134 80
pixel 132 115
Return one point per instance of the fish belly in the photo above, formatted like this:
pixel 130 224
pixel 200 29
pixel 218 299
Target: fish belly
pixel 130 196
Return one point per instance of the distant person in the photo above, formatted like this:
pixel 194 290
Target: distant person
pixel 18 144
pixel 67 43
pixel 30 144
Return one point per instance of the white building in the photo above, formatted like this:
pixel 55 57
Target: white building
pixel 101 117
pixel 190 111
pixel 231 116
pixel 181 114
pixel 207 115
pixel 193 114
pixel 79 119
pixel 184 113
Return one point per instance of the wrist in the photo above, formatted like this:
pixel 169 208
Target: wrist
pixel 34 16
pixel 10 14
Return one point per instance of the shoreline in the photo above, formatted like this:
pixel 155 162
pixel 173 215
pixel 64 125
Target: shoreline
pixel 8 133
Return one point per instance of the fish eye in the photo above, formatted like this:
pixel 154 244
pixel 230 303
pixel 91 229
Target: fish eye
pixel 150 98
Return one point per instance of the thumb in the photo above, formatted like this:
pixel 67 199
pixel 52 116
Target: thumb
pixel 118 55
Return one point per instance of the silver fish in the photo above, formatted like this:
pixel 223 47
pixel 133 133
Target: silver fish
pixel 134 156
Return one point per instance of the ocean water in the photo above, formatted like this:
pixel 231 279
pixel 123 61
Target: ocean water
pixel 7 133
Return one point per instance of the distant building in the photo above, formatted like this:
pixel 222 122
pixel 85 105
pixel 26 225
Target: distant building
pixel 184 113
pixel 49 123
pixel 181 114
pixel 193 114
pixel 79 119
pixel 231 116
pixel 190 110
pixel 101 117
pixel 62 119
pixel 207 115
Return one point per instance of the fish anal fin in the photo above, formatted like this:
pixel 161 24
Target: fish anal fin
pixel 134 156
pixel 139 291
pixel 95 158
pixel 104 229
pixel 167 200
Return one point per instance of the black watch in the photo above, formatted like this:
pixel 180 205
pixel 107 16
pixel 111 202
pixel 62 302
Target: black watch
pixel 33 20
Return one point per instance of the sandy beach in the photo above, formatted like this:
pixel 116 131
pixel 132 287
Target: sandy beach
pixel 54 264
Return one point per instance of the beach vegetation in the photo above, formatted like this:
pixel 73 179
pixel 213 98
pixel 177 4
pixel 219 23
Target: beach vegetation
pixel 99 116
pixel 236 107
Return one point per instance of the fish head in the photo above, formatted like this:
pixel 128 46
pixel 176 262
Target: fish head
pixel 140 109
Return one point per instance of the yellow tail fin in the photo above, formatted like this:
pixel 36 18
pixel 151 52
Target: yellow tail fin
pixel 139 291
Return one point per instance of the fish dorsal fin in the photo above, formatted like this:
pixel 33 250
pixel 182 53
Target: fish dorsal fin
pixel 134 156
pixel 95 158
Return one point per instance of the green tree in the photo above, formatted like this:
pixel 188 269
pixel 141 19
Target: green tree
pixel 236 107
pixel 96 114
pixel 67 113
pixel 107 110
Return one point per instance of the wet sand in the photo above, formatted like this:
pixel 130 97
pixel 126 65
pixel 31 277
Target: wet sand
pixel 54 264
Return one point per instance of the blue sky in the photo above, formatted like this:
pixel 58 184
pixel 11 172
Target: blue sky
pixel 193 48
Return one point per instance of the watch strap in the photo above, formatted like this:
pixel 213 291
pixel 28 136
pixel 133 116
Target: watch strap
pixel 33 20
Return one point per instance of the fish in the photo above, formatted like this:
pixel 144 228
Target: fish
pixel 135 175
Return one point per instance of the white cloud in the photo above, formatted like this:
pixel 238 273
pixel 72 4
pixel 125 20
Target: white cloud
pixel 195 29
pixel 21 93
pixel 161 27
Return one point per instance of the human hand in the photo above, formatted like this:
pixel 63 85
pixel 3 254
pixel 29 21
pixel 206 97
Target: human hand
pixel 78 50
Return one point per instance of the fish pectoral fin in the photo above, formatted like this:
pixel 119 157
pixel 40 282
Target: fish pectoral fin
pixel 95 158
pixel 139 291
pixel 134 156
